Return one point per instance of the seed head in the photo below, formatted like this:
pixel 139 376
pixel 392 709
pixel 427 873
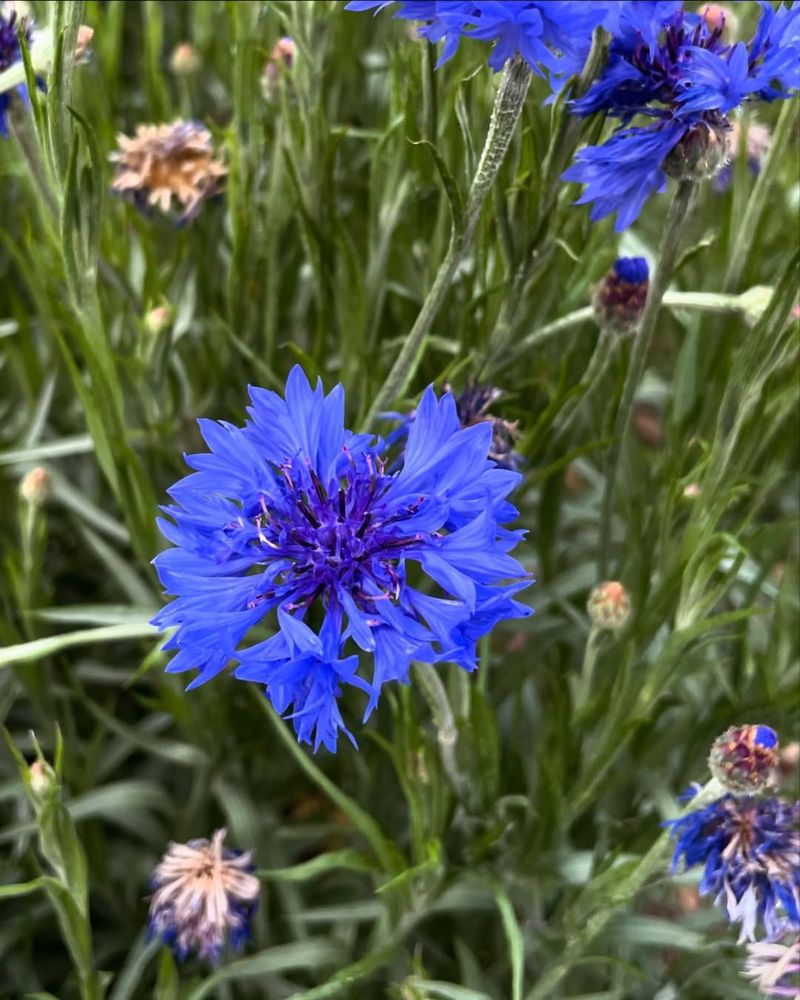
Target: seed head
pixel 609 605
pixel 743 759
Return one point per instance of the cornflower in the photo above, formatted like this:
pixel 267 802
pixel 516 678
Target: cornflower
pixel 749 848
pixel 676 69
pixel 553 37
pixel 203 894
pixel 295 514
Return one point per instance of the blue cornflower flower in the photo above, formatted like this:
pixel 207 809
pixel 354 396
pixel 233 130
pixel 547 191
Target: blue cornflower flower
pixel 296 514
pixel 552 36
pixel 10 55
pixel 675 68
pixel 203 895
pixel 750 852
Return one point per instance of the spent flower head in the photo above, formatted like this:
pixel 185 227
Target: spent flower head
pixel 676 69
pixel 774 967
pixel 296 515
pixel 165 162
pixel 749 849
pixel 744 758
pixel 203 895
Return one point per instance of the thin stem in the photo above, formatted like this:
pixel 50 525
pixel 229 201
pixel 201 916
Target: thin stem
pixel 623 893
pixel 505 115
pixel 583 688
pixel 679 212
pixel 758 198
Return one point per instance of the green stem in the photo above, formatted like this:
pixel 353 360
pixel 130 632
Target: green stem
pixel 709 302
pixel 507 109
pixel 757 202
pixel 624 891
pixel 679 212
pixel 583 689
pixel 384 850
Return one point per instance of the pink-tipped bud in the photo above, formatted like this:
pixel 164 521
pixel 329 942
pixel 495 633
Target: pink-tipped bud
pixel 281 60
pixel 158 319
pixel 35 487
pixel 184 60
pixel 720 18
pixel 609 605
pixel 83 43
pixel 744 758
pixel 42 779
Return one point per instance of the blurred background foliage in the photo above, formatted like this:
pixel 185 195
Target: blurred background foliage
pixel 450 857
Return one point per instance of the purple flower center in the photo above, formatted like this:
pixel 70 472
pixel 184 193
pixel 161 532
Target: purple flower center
pixel 320 539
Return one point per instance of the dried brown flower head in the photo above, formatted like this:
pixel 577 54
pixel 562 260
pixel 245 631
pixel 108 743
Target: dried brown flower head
pixel 162 162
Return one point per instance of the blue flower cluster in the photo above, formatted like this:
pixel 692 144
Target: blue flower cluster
pixel 9 55
pixel 553 37
pixel 749 848
pixel 295 513
pixel 675 68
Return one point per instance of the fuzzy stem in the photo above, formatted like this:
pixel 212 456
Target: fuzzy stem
pixel 506 112
pixel 758 198
pixel 679 212
pixel 623 893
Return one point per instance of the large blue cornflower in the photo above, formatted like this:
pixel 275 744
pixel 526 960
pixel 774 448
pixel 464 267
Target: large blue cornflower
pixel 552 37
pixel 674 68
pixel 750 851
pixel 296 514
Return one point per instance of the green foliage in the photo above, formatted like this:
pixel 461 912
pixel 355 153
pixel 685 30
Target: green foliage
pixel 490 831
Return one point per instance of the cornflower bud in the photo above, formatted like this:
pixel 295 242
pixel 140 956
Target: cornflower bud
pixel 42 779
pixel 620 298
pixel 744 758
pixel 158 319
pixel 609 605
pixel 35 487
pixel 184 60
pixel 281 59
pixel 701 153
pixel 83 43
pixel 720 18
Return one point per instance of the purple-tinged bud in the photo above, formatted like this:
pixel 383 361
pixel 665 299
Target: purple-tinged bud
pixel 472 407
pixel 609 605
pixel 743 759
pixel 620 298
pixel 701 153
pixel 281 60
